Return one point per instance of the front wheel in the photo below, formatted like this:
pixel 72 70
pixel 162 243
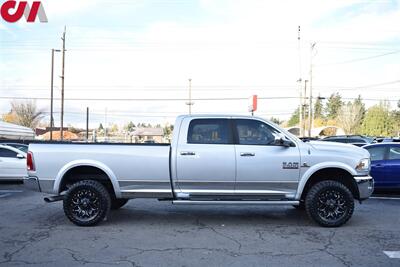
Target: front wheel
pixel 329 203
pixel 87 203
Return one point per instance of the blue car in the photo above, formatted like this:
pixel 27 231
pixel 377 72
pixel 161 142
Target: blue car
pixel 385 164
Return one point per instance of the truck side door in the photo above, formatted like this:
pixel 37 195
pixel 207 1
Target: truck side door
pixel 262 167
pixel 206 157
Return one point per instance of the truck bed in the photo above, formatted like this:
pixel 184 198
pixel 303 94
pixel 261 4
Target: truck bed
pixel 137 169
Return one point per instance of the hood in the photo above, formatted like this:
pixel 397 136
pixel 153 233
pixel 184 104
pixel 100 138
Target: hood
pixel 336 147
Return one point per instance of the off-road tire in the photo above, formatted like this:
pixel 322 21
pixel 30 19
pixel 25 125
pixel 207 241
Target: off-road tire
pixel 329 203
pixel 87 203
pixel 118 203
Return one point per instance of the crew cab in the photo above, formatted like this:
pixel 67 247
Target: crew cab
pixel 212 160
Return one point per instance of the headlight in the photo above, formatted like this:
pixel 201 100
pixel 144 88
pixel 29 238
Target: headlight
pixel 363 165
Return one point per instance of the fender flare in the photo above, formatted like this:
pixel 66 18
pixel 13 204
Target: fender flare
pixel 324 165
pixel 91 163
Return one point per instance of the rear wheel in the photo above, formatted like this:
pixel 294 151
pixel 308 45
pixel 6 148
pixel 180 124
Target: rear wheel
pixel 329 203
pixel 117 203
pixel 87 203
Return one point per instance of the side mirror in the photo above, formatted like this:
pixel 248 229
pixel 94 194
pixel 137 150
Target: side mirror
pixel 20 156
pixel 282 141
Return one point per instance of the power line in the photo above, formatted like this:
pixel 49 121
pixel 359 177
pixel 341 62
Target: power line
pixel 181 99
pixel 357 59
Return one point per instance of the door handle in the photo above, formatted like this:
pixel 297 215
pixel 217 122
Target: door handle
pixel 187 153
pixel 247 154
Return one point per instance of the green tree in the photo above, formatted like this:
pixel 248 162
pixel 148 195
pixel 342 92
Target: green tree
pixel 130 126
pixel 333 105
pixel 294 119
pixel 396 119
pixel 101 128
pixel 275 120
pixel 378 121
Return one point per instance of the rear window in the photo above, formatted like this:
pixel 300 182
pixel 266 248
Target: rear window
pixel 209 131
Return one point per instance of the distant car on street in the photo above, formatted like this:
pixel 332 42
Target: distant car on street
pixel 357 140
pixel 12 163
pixel 385 164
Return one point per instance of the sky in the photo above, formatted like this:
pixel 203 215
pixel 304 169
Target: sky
pixel 131 60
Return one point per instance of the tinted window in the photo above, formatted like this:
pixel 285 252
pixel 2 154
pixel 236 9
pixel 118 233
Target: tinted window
pixel 209 131
pixel 377 153
pixel 6 153
pixel 394 152
pixel 339 140
pixel 357 141
pixel 252 132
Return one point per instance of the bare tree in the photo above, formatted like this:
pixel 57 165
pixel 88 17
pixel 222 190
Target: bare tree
pixel 350 116
pixel 26 113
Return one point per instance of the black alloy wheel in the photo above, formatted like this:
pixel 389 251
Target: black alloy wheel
pixel 330 203
pixel 87 203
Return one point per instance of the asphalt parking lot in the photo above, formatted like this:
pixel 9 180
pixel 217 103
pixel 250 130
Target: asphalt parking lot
pixel 152 233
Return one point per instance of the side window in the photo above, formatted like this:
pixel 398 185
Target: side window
pixel 252 132
pixel 377 153
pixel 6 153
pixel 361 141
pixel 209 131
pixel 394 152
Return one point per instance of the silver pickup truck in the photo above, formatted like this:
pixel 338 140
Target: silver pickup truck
pixel 212 160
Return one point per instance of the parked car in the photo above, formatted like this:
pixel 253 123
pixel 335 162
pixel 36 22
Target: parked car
pixel 12 163
pixel 22 147
pixel 386 139
pixel 357 140
pixel 385 164
pixel 217 159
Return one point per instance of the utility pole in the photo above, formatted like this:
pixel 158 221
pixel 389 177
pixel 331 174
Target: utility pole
pixel 62 86
pixel 310 111
pixel 87 124
pixel 303 100
pixel 190 103
pixel 299 81
pixel 51 94
pixel 105 124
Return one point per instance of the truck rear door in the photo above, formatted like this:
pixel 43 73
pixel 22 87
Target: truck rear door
pixel 206 157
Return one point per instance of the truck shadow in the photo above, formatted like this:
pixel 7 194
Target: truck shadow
pixel 223 215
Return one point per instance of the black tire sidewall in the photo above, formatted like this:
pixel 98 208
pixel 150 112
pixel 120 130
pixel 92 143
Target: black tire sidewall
pixel 99 190
pixel 312 198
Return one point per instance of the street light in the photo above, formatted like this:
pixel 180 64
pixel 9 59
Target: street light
pixel 51 94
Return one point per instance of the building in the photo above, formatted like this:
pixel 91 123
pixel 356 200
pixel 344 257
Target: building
pixel 140 135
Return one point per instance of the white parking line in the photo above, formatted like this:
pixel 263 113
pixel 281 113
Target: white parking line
pixel 5 195
pixel 392 254
pixel 389 198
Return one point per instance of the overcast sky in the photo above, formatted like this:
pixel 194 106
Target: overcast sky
pixel 142 52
